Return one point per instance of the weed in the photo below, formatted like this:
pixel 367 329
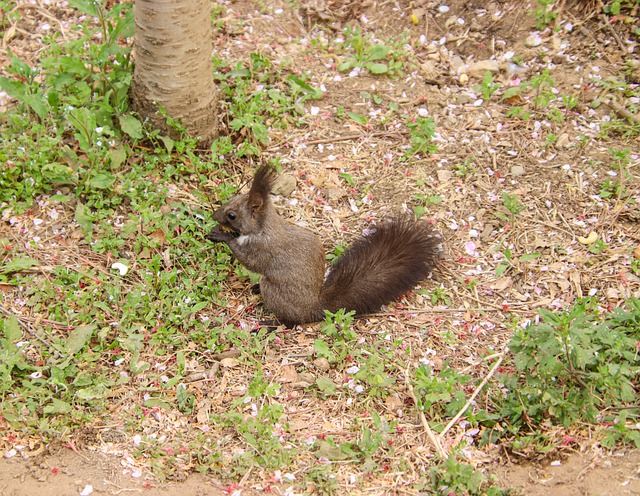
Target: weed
pixel 488 87
pixel 545 13
pixel 466 168
pixel 438 296
pixel 422 132
pixel 439 394
pixel 377 58
pixel 510 263
pixel 572 366
pixel 512 206
pixel 455 477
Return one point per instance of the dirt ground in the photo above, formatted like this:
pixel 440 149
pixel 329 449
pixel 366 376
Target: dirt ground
pixel 68 473
pixel 557 183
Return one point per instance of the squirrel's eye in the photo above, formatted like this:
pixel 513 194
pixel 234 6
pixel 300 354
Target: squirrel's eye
pixel 231 216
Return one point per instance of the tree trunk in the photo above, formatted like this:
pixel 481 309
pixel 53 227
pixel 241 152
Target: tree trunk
pixel 173 65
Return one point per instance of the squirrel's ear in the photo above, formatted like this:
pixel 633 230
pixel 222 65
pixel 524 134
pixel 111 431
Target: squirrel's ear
pixel 261 187
pixel 255 202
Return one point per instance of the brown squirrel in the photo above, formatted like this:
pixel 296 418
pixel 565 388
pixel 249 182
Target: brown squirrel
pixel 372 272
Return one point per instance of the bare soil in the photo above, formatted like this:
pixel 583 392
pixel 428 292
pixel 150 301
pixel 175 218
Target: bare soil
pixel 557 183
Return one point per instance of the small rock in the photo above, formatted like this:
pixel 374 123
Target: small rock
pixel 322 364
pixel 284 185
pixel 457 64
pixel 533 40
pixel 464 78
pixel 429 70
pixel 563 141
pixel 482 66
pixel 444 176
pixel 517 171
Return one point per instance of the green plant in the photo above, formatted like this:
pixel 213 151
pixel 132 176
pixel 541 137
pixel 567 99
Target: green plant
pixel 512 206
pixel 545 13
pixel 422 132
pixel 598 247
pixel 572 365
pixel 377 58
pixel 438 295
pixel 510 263
pixel 488 87
pixel 439 393
pixel 454 477
pixel 466 168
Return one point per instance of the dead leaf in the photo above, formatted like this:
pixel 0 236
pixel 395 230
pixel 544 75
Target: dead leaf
pixel 288 373
pixel 590 239
pixel 393 403
pixel 502 284
pixel 229 362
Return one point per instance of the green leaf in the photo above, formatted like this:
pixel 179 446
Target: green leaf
pixel 360 119
pixel 18 264
pixel 378 52
pixel 89 7
pixel 377 68
pixel 322 348
pixel 78 338
pixel 117 156
pixel 500 269
pixel 304 85
pixel 14 89
pixel 57 407
pixel 168 143
pixel 330 452
pixel 529 256
pixel 346 65
pixel 85 221
pixel 131 126
pixel 102 180
pixel 97 391
pixel 325 385
pixel 12 330
pixel 37 105
pixel 511 92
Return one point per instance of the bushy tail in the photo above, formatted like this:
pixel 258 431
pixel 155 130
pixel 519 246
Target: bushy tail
pixel 382 266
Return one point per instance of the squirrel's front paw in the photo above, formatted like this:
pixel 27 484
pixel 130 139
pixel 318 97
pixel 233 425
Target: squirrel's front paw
pixel 217 235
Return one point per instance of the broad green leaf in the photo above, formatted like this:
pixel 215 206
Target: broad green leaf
pixel 330 452
pixel 12 330
pixel 102 180
pixel 91 393
pixel 57 407
pixel 168 143
pixel 117 156
pixel 131 126
pixel 377 68
pixel 85 221
pixel 378 52
pixel 18 264
pixel 78 338
pixel 529 256
pixel 14 89
pixel 37 105
pixel 360 119
pixel 89 7
pixel 325 385
pixel 511 92
pixel 346 65
pixel 151 402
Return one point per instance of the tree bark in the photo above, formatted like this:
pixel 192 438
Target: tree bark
pixel 173 65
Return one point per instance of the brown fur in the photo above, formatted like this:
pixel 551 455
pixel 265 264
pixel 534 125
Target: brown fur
pixel 375 270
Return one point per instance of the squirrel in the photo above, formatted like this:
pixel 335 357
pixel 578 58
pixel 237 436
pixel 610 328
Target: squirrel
pixel 373 271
